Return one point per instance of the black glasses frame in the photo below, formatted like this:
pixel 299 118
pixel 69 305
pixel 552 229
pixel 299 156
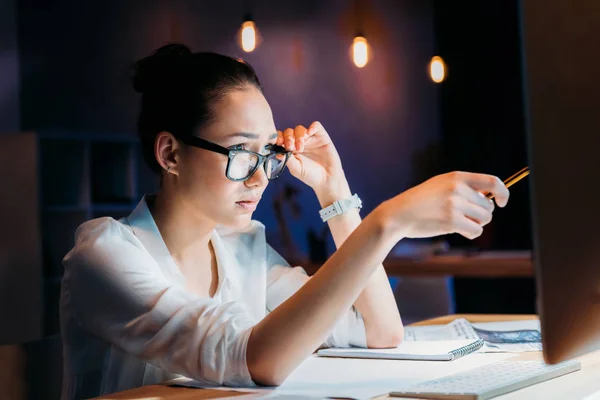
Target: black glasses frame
pixel 231 153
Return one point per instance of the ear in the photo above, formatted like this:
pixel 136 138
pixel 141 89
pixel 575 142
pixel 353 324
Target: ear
pixel 165 151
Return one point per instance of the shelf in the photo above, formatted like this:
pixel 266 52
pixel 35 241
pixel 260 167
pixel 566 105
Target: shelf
pixel 111 173
pixel 89 136
pixel 68 178
pixel 58 238
pixel 493 265
pixel 65 208
pixel 63 173
pixel 94 208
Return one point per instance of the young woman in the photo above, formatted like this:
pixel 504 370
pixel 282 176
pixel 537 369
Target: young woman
pixel 187 284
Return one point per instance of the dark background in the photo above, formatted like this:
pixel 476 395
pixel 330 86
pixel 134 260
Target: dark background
pixel 483 129
pixel 65 69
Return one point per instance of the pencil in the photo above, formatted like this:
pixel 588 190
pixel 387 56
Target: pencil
pixel 513 179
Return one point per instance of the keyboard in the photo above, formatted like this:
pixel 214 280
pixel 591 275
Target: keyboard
pixel 488 381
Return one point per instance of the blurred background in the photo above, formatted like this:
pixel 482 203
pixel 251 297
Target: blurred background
pixel 438 89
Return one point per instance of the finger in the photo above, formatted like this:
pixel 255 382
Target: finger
pixel 468 228
pixel 475 197
pixel 315 127
pixel 472 211
pixel 279 141
pixel 487 184
pixel 288 139
pixel 300 133
pixel 294 166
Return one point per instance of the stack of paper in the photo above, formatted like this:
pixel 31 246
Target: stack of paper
pixel 499 337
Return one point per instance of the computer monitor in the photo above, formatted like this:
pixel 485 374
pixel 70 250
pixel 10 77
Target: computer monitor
pixel 561 60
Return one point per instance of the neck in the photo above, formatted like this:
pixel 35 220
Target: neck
pixel 186 234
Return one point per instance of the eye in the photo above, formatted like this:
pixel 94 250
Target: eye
pixel 241 146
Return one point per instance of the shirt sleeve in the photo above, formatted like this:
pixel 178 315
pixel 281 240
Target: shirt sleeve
pixel 284 280
pixel 117 292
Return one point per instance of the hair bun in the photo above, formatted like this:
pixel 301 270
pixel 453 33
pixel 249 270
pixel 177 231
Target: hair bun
pixel 152 71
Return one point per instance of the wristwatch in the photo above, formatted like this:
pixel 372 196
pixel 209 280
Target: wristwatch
pixel 340 206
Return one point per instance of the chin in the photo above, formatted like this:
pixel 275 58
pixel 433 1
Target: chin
pixel 238 222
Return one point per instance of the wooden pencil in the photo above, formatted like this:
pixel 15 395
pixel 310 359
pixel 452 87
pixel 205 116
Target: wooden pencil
pixel 511 180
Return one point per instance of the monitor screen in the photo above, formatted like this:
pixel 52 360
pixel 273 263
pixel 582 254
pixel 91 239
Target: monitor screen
pixel 561 72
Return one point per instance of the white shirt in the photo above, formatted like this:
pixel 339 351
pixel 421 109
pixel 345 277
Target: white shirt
pixel 127 319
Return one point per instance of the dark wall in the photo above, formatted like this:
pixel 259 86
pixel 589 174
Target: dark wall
pixel 9 68
pixel 483 130
pixel 481 106
pixel 383 118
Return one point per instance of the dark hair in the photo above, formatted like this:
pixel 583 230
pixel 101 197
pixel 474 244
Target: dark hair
pixel 179 91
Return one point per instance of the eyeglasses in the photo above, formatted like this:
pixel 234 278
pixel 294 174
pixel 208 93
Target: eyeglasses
pixel 242 164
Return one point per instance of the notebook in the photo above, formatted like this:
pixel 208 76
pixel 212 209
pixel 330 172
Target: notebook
pixel 438 350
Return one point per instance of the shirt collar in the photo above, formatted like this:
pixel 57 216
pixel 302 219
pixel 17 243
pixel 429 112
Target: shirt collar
pixel 145 229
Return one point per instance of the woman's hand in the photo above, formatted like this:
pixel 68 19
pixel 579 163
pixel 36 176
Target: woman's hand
pixel 448 203
pixel 315 160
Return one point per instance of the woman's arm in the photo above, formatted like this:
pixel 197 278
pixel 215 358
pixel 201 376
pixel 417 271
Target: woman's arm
pixel 287 335
pixel 444 204
pixel 376 303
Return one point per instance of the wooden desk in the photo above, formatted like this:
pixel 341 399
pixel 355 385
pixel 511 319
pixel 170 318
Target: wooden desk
pixel 572 386
pixel 482 265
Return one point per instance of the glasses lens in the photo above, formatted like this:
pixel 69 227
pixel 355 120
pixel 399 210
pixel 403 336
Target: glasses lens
pixel 276 165
pixel 241 165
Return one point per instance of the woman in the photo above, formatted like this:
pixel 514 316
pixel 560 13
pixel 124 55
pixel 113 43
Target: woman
pixel 187 284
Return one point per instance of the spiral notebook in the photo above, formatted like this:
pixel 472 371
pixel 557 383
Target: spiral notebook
pixel 438 350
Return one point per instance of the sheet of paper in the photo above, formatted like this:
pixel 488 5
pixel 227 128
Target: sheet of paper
pixel 459 329
pixel 510 347
pixel 509 325
pixel 509 336
pixel 321 377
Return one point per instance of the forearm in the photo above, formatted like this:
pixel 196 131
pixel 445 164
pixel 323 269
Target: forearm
pixel 292 331
pixel 376 302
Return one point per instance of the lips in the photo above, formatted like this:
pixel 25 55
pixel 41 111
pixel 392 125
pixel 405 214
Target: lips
pixel 248 204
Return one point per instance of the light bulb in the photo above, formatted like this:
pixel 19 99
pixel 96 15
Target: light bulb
pixel 248 36
pixel 437 69
pixel 360 51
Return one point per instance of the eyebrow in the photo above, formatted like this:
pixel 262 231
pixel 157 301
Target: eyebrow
pixel 248 135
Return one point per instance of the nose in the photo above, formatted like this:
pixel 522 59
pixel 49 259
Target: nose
pixel 258 179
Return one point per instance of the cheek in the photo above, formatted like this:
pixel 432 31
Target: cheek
pixel 204 178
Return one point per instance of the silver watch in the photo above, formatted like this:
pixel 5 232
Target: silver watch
pixel 340 206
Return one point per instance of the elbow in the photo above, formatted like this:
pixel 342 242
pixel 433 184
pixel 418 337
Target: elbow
pixel 266 373
pixel 386 338
pixel 265 368
pixel 397 336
